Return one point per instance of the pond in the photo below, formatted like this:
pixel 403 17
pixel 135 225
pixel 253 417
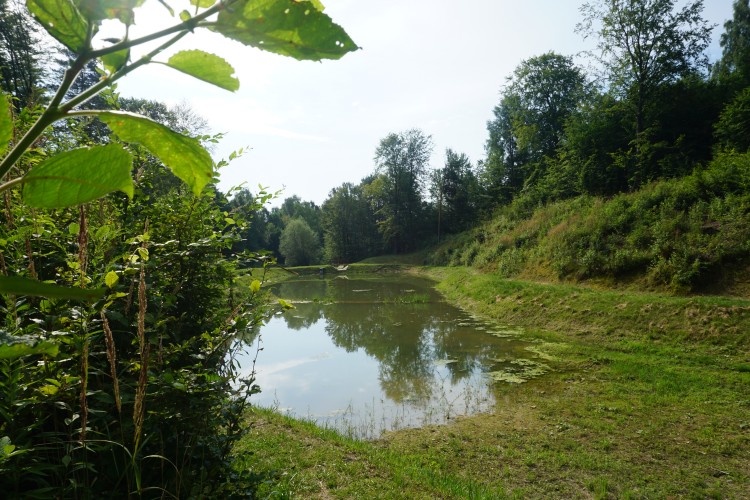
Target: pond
pixel 370 354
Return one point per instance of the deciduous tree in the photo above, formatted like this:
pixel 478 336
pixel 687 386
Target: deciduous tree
pixel 530 120
pixel 402 161
pixel 299 244
pixel 734 64
pixel 644 44
pixel 349 228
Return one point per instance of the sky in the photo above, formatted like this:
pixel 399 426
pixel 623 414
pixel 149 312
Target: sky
pixel 435 65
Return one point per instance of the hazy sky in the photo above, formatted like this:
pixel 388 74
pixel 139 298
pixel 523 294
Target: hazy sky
pixel 437 65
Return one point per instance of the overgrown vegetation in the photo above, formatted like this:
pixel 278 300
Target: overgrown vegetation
pixel 120 308
pixel 684 235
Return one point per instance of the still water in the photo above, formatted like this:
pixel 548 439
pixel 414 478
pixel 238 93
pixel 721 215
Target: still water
pixel 365 355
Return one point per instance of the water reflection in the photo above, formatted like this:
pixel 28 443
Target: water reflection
pixel 386 352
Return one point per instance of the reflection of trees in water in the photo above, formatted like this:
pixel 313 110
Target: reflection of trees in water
pixel 249 335
pixel 393 337
pixel 303 316
pixel 307 289
pixel 376 290
pixel 405 339
pixel 460 343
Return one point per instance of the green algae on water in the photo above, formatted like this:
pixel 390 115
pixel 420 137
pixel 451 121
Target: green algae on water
pixel 518 371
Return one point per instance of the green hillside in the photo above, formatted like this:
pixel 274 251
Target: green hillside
pixel 686 235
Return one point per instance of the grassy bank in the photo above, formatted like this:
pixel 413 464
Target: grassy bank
pixel 685 235
pixel 650 398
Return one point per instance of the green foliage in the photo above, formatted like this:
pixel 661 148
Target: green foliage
pixel 733 67
pixel 184 155
pixel 62 20
pixel 79 176
pixel 644 44
pixel 207 67
pixel 13 346
pixel 733 127
pixel 529 121
pixel 21 57
pixel 134 391
pixel 679 235
pixel 6 123
pixel 401 162
pixel 348 221
pixel 299 245
pixel 292 28
pixel 14 284
pixel 454 189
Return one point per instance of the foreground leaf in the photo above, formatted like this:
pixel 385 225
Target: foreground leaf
pixel 12 347
pixel 115 60
pixel 111 279
pixel 6 122
pixel 287 27
pixel 317 4
pixel 24 286
pixel 78 176
pixel 98 10
pixel 203 4
pixel 207 67
pixel 184 155
pixel 62 20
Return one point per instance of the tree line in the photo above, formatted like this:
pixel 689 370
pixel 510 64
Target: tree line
pixel 654 107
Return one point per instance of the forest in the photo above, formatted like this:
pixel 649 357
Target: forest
pixel 124 288
pixel 637 168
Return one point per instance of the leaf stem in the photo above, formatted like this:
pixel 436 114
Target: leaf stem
pixel 187 25
pixel 7 185
pixel 54 111
pixel 106 82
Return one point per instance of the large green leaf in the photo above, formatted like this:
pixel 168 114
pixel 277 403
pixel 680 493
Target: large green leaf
pixel 6 122
pixel 62 20
pixel 115 60
pixel 204 4
pixel 78 176
pixel 97 10
pixel 286 27
pixel 12 346
pixel 207 67
pixel 24 286
pixel 317 4
pixel 184 155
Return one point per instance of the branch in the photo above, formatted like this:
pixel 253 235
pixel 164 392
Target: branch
pixel 187 25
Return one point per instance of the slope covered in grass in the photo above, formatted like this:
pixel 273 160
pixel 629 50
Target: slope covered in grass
pixel 681 235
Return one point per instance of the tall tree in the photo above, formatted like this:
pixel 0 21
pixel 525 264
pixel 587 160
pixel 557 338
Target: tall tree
pixel 644 44
pixel 299 244
pixel 547 88
pixel 503 168
pixel 349 226
pixel 294 208
pixel 454 190
pixel 402 161
pixel 20 54
pixel 530 120
pixel 735 44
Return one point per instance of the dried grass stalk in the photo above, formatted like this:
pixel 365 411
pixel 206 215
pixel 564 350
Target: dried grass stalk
pixel 139 408
pixel 109 341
